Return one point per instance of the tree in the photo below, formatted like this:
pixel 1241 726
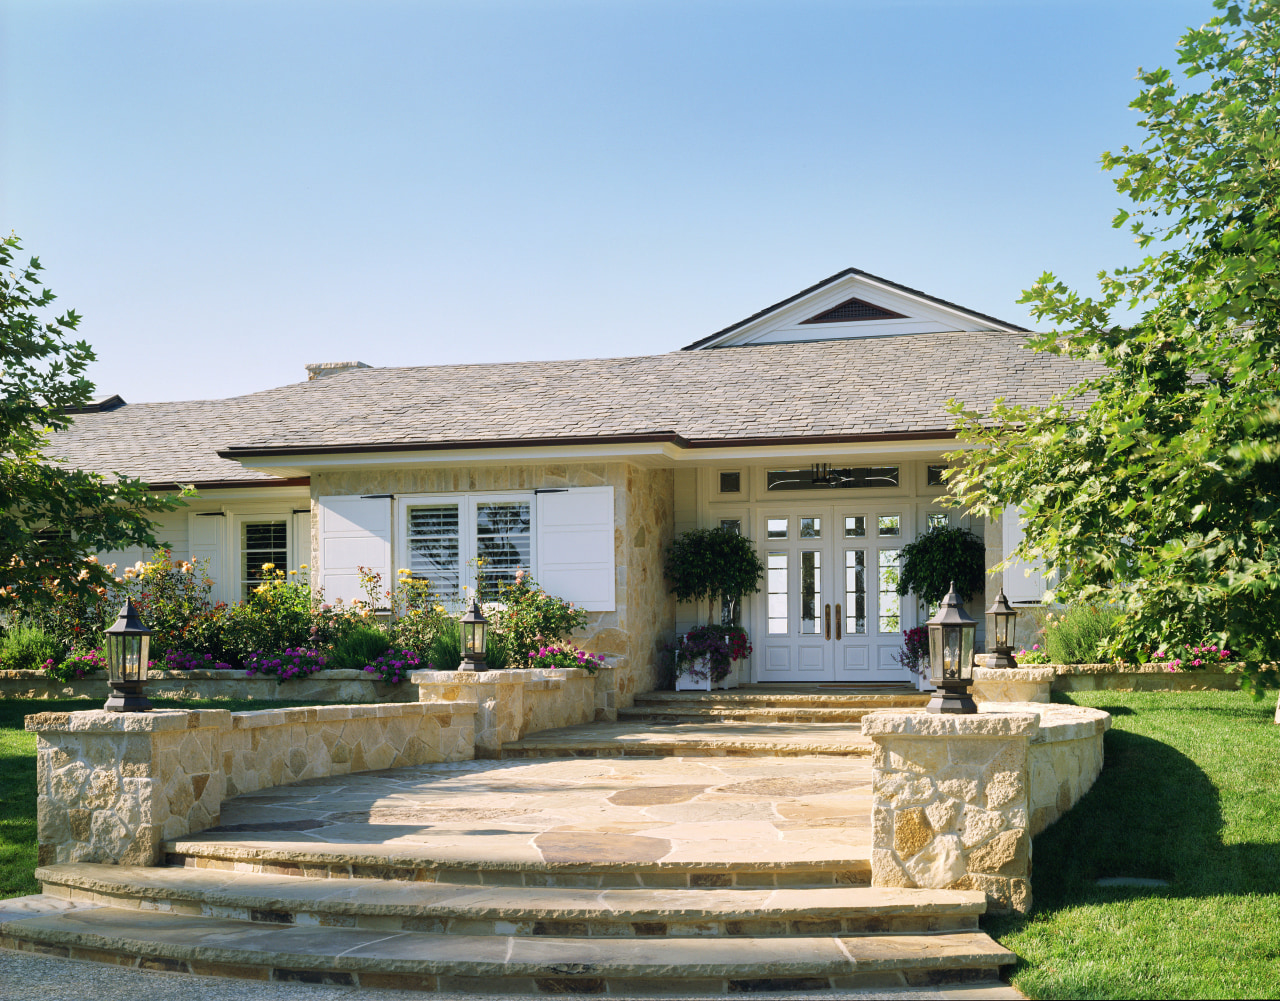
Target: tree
pixel 52 518
pixel 942 556
pixel 709 563
pixel 1155 484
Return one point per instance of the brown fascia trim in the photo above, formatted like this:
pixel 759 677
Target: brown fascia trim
pixel 621 439
pixel 297 481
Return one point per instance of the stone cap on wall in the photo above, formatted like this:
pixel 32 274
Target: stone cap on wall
pixel 1156 668
pixel 1031 675
pixel 1039 722
pixel 528 676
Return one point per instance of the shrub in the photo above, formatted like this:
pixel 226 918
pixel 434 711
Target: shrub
pixel 359 648
pixel 1081 635
pixel 709 563
pixel 529 618
pixel 914 655
pixel 565 655
pixel 1036 655
pixel 297 663
pixel 394 666
pixel 167 595
pixel 180 660
pixel 77 666
pixel 445 652
pixel 939 557
pixel 30 648
pixel 277 614
pixel 417 629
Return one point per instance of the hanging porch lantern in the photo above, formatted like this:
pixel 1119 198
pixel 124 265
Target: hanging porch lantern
pixel 1001 624
pixel 128 648
pixel 475 629
pixel 951 634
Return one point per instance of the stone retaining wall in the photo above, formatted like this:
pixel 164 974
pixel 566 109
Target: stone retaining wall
pixel 511 704
pixel 112 787
pixel 957 799
pixel 1021 684
pixel 1140 678
pixel 344 687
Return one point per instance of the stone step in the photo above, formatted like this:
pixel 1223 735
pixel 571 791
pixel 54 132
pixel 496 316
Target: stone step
pixel 504 964
pixel 705 738
pixel 506 910
pixel 753 697
pixel 743 714
pixel 334 861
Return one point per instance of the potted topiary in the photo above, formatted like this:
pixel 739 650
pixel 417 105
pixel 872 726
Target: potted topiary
pixel 705 657
pixel 710 564
pixel 929 566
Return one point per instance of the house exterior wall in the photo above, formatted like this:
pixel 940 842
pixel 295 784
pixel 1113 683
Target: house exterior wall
pixel 643 499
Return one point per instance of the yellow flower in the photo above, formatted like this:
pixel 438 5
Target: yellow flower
pixel 403 571
pixel 293 571
pixel 268 566
pixel 302 567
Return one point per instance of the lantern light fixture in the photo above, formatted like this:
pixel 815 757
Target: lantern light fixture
pixel 127 643
pixel 475 636
pixel 951 636
pixel 1001 626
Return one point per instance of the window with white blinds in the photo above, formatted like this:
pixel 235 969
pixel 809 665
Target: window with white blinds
pixel 434 547
pixel 446 539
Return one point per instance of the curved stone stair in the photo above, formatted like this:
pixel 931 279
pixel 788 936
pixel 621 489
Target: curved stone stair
pixel 632 940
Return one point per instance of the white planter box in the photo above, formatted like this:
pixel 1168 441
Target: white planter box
pixel 688 683
pixel 730 680
pixel 923 684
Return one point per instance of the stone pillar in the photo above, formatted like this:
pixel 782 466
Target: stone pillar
pixel 1021 684
pixel 113 786
pixel 499 697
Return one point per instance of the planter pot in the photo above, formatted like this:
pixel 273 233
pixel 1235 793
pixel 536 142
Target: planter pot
pixel 688 683
pixel 730 680
pixel 923 684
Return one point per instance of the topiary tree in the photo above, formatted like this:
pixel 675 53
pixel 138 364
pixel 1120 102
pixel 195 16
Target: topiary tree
pixel 710 563
pixel 941 556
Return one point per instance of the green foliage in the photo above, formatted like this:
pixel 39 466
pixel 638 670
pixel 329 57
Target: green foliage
pixel 710 649
pixel 359 648
pixel 418 629
pixel 1154 485
pixel 1083 634
pixel 528 618
pixel 30 648
pixel 939 557
pixel 704 564
pixel 445 652
pixel 564 655
pixel 41 381
pixel 167 594
pixel 77 666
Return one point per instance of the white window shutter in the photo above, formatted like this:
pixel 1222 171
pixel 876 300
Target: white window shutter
pixel 208 545
pixel 1019 585
pixel 574 539
pixel 354 532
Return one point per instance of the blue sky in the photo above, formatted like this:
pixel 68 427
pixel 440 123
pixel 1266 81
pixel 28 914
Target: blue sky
pixel 229 190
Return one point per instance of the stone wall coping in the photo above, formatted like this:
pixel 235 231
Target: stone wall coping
pixel 532 677
pixel 1010 719
pixel 157 720
pixel 1038 675
pixel 1223 668
pixel 1040 722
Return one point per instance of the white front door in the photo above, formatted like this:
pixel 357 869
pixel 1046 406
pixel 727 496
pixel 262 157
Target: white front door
pixel 829 609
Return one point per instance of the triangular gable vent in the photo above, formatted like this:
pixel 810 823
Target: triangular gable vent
pixel 854 309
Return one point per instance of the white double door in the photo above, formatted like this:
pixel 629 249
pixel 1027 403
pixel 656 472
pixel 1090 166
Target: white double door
pixel 829 609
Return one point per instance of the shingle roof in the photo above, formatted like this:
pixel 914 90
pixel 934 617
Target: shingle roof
pixel 879 387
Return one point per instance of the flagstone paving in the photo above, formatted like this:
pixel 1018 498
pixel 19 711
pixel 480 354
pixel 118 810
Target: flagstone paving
pixel 637 813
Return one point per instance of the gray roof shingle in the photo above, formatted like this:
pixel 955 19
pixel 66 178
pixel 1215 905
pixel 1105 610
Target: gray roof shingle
pixel 874 387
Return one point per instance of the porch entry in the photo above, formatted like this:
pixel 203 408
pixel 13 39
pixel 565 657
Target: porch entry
pixel 829 609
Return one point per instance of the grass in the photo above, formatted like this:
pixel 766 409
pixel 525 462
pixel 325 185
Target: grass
pixel 18 777
pixel 1188 794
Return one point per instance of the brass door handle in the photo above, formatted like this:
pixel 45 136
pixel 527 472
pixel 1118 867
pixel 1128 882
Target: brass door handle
pixel 828 618
pixel 839 620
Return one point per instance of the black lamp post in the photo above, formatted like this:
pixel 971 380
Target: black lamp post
pixel 128 648
pixel 1001 624
pixel 951 635
pixel 475 634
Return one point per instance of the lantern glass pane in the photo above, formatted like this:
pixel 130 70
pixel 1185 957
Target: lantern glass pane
pixel 935 654
pixel 115 656
pixel 964 667
pixel 479 638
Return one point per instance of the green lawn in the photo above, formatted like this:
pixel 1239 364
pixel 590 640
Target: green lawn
pixel 18 778
pixel 1188 794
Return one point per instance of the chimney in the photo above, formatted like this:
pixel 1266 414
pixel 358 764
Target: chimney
pixel 320 370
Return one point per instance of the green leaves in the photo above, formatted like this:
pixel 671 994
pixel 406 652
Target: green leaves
pixel 706 563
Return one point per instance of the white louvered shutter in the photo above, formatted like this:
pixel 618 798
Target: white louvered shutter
pixel 208 545
pixel 574 541
pixel 354 532
pixel 1019 585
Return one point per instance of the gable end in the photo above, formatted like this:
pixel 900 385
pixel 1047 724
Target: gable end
pixel 853 310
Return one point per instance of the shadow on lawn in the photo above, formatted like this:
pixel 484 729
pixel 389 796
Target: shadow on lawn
pixel 1154 814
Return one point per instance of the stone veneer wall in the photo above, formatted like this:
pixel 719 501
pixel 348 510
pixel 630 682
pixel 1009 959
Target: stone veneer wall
pixel 513 703
pixel 1016 684
pixel 1139 678
pixel 643 502
pixel 956 799
pixel 344 687
pixel 112 787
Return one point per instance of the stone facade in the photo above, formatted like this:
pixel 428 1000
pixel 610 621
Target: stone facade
pixel 1140 678
pixel 644 615
pixel 112 787
pixel 511 704
pixel 342 687
pixel 957 799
